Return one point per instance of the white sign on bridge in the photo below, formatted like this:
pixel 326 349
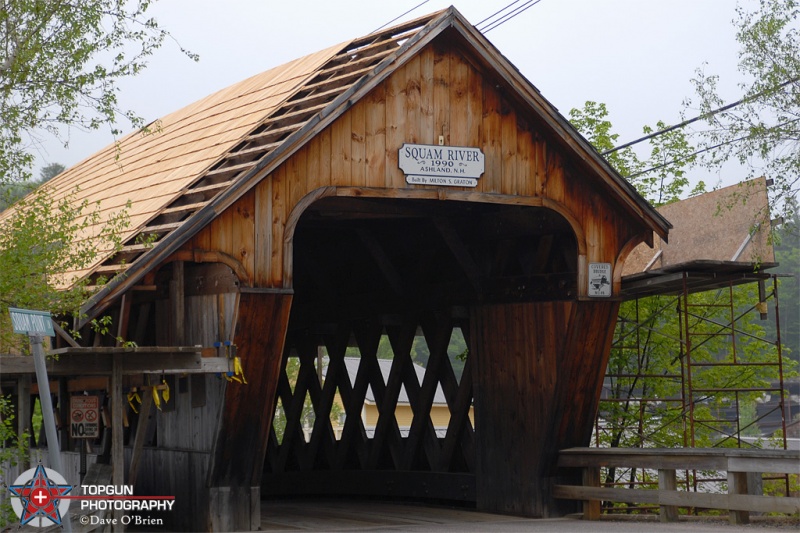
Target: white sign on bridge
pixel 450 166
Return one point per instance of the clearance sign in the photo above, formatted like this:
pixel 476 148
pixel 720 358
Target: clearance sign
pixel 84 414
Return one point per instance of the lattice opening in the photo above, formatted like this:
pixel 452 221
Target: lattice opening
pixel 457 352
pixel 292 369
pixel 307 417
pixel 279 422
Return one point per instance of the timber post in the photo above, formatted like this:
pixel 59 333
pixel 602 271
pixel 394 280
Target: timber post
pixel 237 460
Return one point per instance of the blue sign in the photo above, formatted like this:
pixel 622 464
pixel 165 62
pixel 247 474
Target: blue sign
pixel 30 322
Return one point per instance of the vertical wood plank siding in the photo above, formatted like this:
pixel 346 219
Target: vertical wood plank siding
pixel 436 93
pixel 539 400
pixel 241 440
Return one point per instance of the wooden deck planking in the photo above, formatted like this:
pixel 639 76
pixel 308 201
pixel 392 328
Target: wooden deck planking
pixel 332 515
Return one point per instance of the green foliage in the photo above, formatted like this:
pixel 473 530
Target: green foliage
pixel 61 64
pixel 787 253
pixel 50 171
pixel 763 132
pixel 45 238
pixel 647 376
pixel 661 178
pixel 13 451
pixel 650 342
pixel 11 192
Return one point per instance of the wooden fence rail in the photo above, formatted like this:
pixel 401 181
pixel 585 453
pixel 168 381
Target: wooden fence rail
pixel 736 462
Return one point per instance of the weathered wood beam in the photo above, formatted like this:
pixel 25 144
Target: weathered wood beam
pixel 176 296
pixel 237 459
pixel 64 335
pixel 124 318
pixel 88 364
pixel 141 435
pixel 117 442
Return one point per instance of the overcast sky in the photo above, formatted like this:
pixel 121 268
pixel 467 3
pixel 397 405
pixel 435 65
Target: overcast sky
pixel 637 56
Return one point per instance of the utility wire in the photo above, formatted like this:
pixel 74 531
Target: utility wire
pixel 497 12
pixel 400 16
pixel 701 117
pixel 707 149
pixel 508 16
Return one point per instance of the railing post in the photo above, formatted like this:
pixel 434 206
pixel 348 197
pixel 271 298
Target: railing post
pixel 667 481
pixel 591 478
pixel 737 484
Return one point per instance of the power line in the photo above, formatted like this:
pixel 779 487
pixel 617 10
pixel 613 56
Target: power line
pixel 707 149
pixel 400 16
pixel 508 16
pixel 497 12
pixel 700 117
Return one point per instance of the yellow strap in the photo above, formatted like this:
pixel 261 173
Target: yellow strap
pixel 156 399
pixel 237 369
pixel 133 396
pixel 165 392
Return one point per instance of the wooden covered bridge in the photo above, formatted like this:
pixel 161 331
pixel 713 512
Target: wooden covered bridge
pixel 397 189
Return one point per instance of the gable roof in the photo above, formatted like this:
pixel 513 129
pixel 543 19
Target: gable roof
pixel 206 156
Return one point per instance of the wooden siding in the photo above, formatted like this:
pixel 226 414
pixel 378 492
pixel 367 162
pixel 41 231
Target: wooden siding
pixel 539 369
pixel 438 92
pixel 244 425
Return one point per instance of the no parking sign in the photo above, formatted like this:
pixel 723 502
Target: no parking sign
pixel 84 412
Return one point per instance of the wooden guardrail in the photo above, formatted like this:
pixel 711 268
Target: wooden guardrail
pixel 736 462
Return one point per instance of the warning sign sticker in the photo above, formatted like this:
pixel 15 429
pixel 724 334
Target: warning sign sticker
pixel 84 412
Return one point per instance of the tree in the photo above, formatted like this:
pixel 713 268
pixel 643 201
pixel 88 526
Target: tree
pixel 763 131
pixel 787 253
pixel 38 244
pixel 50 171
pixel 661 179
pixel 644 381
pixel 60 65
pixel 11 192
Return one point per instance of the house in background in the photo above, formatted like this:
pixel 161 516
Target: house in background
pixel 404 413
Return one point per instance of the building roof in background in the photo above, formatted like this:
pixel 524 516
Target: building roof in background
pixel 352 363
pixel 717 237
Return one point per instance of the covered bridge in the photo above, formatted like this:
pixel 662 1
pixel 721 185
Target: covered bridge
pixel 401 187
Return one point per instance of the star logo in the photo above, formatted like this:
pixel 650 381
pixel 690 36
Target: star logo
pixel 39 492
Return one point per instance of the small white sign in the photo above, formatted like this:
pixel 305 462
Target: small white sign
pixel 599 280
pixel 458 166
pixel 84 414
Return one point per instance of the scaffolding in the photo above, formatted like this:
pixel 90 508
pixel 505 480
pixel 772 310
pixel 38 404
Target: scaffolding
pixel 692 365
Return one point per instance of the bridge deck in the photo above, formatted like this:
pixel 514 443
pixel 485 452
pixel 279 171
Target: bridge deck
pixel 350 515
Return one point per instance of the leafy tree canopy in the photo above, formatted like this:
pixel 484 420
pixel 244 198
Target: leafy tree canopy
pixel 763 131
pixel 60 65
pixel 51 171
pixel 661 178
pixel 11 192
pixel 38 244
